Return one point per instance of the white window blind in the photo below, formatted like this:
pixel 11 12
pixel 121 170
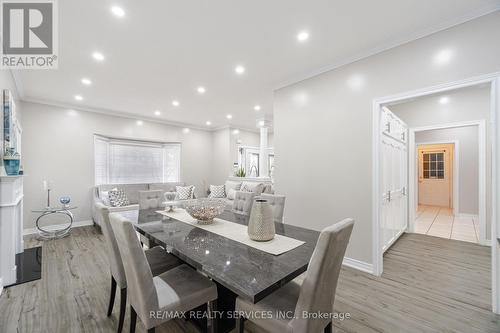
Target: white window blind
pixel 132 162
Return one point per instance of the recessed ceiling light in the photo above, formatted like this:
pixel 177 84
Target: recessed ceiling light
pixel 139 122
pixel 236 132
pixel 443 57
pixel 86 81
pixel 185 130
pixel 261 123
pixel 79 97
pixel 239 69
pixel 175 102
pixel 257 108
pixel 444 100
pixel 201 90
pixel 157 113
pixel 118 11
pixel 208 123
pixel 302 36
pixel 229 116
pixel 98 56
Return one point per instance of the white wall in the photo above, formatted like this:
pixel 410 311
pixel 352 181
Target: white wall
pixel 323 125
pixel 58 146
pixel 468 176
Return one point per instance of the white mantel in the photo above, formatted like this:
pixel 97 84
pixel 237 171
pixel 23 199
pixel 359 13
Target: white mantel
pixel 11 227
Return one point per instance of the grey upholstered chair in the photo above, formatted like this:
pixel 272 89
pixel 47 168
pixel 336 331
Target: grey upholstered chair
pixel 150 199
pixel 316 294
pixel 242 204
pixel 278 203
pixel 158 259
pixel 178 289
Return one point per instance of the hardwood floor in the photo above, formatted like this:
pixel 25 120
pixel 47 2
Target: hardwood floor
pixel 429 284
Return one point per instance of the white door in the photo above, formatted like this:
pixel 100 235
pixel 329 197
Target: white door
pixel 394 178
pixel 435 179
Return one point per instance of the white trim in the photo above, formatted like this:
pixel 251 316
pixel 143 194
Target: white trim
pixel 1 286
pixel 390 45
pixel 13 204
pixel 358 264
pixel 494 80
pixel 456 173
pixel 34 231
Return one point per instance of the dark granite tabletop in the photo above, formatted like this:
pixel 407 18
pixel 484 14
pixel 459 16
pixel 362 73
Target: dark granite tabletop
pixel 246 271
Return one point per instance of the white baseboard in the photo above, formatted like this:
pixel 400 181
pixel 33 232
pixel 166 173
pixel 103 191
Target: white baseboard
pixel 33 231
pixel 358 264
pixel 1 286
pixel 465 215
pixel 485 242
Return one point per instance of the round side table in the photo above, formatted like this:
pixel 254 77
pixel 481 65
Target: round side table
pixel 61 230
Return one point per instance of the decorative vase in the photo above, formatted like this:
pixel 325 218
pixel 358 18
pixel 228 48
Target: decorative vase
pixel 11 166
pixel 261 223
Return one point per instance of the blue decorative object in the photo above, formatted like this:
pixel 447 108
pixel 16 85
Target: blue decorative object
pixel 11 166
pixel 65 201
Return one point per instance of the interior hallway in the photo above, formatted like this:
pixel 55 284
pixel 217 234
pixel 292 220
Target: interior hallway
pixel 440 222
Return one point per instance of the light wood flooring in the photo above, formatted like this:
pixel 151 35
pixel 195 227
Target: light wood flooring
pixel 429 285
pixel 440 222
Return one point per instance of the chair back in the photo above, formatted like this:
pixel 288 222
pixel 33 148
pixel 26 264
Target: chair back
pixel 150 199
pixel 278 204
pixel 242 203
pixel 317 293
pixel 114 257
pixel 140 288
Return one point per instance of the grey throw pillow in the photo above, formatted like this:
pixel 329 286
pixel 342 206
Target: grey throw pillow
pixel 217 191
pixel 118 198
pixel 184 192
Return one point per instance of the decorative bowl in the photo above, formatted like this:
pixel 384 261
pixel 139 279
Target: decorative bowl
pixel 204 210
pixel 65 201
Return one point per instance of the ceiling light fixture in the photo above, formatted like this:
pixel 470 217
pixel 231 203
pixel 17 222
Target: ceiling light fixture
pixel 79 97
pixel 443 57
pixel 302 36
pixel 185 130
pixel 239 69
pixel 201 90
pixel 236 132
pixel 262 123
pixel 139 122
pixel 208 123
pixel 86 81
pixel 175 102
pixel 157 113
pixel 444 100
pixel 257 108
pixel 118 11
pixel 229 116
pixel 98 56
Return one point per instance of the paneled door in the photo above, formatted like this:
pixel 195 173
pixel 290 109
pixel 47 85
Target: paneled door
pixel 394 178
pixel 435 179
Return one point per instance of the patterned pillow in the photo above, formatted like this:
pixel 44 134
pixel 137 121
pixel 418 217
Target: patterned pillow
pixel 184 192
pixel 118 198
pixel 217 191
pixel 252 187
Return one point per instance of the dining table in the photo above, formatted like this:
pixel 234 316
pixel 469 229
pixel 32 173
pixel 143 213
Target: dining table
pixel 238 269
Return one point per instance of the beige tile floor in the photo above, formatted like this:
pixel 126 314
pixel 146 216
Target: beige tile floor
pixel 440 222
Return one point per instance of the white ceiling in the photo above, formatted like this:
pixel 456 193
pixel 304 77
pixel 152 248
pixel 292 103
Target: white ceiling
pixel 163 50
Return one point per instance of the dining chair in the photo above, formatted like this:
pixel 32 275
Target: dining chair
pixel 278 203
pixel 316 294
pixel 158 259
pixel 153 298
pixel 242 203
pixel 150 199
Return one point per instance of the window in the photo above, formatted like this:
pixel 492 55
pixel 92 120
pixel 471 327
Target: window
pixel 120 161
pixel 433 165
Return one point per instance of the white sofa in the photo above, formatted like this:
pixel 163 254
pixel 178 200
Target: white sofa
pixel 132 192
pixel 258 187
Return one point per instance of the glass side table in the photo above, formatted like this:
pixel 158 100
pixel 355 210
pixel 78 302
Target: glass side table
pixel 61 230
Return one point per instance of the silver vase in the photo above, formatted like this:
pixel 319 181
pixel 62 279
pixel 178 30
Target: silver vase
pixel 261 223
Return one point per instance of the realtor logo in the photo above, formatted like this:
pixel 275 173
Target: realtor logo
pixel 29 34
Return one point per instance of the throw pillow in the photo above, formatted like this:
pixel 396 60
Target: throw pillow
pixel 105 198
pixel 184 192
pixel 217 191
pixel 252 187
pixel 118 198
pixel 232 185
pixel 231 193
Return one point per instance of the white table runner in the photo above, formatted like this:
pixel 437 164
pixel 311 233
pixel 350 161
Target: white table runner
pixel 237 232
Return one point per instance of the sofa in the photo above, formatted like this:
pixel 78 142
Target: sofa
pixel 234 185
pixel 132 192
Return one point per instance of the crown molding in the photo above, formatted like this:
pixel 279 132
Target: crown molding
pixel 481 11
